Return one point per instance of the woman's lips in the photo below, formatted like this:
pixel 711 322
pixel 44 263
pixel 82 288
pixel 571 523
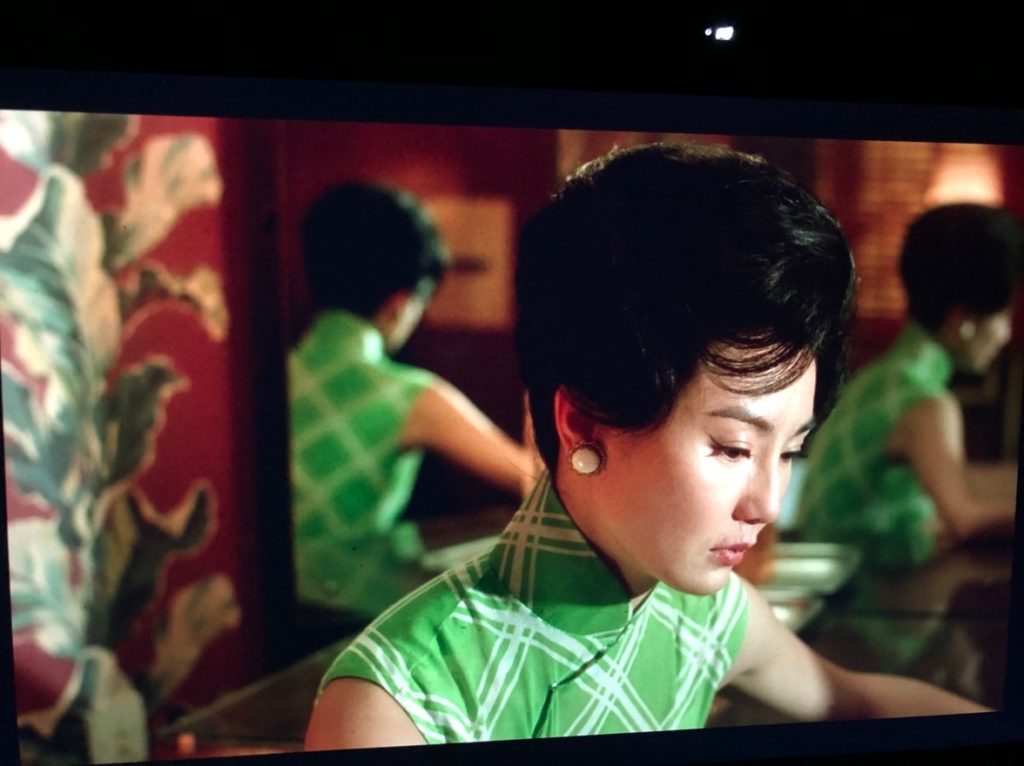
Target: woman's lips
pixel 730 555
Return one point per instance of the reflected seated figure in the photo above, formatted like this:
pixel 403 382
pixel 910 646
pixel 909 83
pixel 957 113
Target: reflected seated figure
pixel 359 420
pixel 887 471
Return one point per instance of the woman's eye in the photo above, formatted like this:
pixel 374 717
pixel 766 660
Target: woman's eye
pixel 729 453
pixel 788 457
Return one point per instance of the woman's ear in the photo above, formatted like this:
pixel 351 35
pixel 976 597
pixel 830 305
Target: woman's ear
pixel 572 425
pixel 958 327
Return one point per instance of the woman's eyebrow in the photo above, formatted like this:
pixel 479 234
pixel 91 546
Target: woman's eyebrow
pixel 744 415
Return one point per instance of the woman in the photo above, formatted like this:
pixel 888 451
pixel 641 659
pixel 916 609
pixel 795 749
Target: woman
pixel 360 421
pixel 682 316
pixel 887 471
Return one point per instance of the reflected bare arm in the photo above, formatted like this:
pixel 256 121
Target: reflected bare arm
pixel 354 713
pixel 445 421
pixel 780 670
pixel 930 436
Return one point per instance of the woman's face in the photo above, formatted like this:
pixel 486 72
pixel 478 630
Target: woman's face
pixel 682 503
pixel 981 345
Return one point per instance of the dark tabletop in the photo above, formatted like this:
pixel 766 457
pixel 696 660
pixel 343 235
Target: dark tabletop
pixel 945 623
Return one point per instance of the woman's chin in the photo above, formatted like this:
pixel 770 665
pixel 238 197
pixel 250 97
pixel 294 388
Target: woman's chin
pixel 707 585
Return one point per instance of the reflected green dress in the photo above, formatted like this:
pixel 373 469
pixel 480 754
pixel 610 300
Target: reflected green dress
pixel 538 639
pixel 854 493
pixel 350 482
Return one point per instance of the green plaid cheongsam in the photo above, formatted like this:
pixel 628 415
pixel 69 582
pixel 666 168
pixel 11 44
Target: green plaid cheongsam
pixel 855 493
pixel 350 481
pixel 537 639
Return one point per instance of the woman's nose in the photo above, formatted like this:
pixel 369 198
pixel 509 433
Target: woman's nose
pixel 763 499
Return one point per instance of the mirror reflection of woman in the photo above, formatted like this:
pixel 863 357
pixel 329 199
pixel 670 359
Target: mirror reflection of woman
pixel 681 320
pixel 360 421
pixel 888 472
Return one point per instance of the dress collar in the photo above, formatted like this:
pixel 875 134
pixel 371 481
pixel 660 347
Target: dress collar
pixel 348 335
pixel 544 560
pixel 930 358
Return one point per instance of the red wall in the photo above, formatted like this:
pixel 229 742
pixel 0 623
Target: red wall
pixel 209 426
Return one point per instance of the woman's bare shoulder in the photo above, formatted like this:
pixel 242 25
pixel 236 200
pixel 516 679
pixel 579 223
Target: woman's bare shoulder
pixel 355 713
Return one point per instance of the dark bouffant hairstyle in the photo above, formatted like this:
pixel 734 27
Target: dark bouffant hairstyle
pixel 656 260
pixel 362 243
pixel 962 255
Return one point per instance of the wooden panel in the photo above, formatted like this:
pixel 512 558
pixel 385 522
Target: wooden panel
pixel 477 290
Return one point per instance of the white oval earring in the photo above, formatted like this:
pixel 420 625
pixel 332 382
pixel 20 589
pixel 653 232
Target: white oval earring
pixel 587 458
